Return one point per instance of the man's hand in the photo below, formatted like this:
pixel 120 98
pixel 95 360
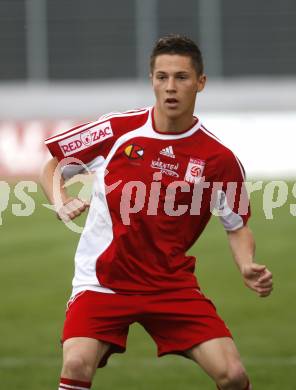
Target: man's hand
pixel 258 278
pixel 72 208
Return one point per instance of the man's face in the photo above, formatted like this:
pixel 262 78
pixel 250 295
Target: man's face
pixel 175 83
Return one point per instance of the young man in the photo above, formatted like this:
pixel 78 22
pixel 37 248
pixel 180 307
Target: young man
pixel 158 175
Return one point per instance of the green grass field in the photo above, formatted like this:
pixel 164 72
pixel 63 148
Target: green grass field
pixel 36 270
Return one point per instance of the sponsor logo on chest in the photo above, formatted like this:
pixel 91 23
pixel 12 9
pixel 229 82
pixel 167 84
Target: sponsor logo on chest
pixel 165 168
pixel 85 139
pixel 134 151
pixel 194 170
pixel 168 151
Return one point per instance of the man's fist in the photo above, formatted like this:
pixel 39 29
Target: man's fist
pixel 258 278
pixel 71 209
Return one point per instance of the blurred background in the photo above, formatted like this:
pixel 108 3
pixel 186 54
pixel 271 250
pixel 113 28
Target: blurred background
pixel 68 61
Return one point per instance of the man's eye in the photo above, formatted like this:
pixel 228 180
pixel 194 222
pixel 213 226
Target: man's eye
pixel 161 77
pixel 182 77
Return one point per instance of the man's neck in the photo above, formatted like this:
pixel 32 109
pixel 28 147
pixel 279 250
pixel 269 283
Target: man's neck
pixel 165 124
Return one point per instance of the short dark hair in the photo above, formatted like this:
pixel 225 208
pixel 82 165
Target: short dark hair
pixel 178 44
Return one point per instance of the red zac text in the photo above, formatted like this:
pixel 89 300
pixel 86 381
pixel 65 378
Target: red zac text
pixel 74 144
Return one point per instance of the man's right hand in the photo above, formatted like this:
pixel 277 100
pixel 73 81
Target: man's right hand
pixel 72 208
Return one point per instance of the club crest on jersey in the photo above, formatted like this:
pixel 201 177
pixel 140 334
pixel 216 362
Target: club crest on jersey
pixel 134 151
pixel 84 139
pixel 194 170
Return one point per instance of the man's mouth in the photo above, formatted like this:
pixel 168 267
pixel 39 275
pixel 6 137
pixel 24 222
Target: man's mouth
pixel 172 102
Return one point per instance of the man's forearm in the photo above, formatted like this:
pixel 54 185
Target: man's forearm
pixel 242 246
pixel 47 182
pixel 256 276
pixel 67 208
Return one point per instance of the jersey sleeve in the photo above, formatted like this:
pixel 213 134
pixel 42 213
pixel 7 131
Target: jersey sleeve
pixel 90 144
pixel 85 142
pixel 232 201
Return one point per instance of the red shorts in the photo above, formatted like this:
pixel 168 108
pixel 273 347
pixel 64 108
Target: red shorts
pixel 176 320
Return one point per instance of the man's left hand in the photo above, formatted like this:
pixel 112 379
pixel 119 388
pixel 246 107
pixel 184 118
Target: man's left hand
pixel 258 278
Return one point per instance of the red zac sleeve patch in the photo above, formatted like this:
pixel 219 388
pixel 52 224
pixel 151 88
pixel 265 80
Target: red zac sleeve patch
pixel 83 142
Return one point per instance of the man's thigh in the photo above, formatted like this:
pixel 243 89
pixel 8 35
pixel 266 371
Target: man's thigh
pixel 102 317
pixel 83 351
pixel 216 356
pixel 179 320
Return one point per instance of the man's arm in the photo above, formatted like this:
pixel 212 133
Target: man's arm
pixel 69 207
pixel 257 277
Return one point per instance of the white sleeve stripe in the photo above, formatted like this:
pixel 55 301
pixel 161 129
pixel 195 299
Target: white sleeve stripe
pixel 241 167
pixel 212 135
pixel 218 140
pixel 230 220
pixel 124 114
pixel 73 132
pixel 90 125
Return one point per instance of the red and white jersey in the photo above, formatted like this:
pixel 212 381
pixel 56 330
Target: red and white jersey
pixel 152 198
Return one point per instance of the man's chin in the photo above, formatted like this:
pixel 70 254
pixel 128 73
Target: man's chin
pixel 173 112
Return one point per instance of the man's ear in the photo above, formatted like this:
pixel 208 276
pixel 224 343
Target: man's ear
pixel 151 77
pixel 202 79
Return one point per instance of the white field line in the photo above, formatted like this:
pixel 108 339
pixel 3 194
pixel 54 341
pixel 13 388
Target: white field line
pixel 15 362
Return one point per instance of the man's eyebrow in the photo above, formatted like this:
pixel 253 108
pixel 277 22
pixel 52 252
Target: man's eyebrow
pixel 178 72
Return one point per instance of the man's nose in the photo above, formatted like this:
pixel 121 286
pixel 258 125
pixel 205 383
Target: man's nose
pixel 171 86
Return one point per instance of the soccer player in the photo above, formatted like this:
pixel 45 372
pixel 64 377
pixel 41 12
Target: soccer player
pixel 159 174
